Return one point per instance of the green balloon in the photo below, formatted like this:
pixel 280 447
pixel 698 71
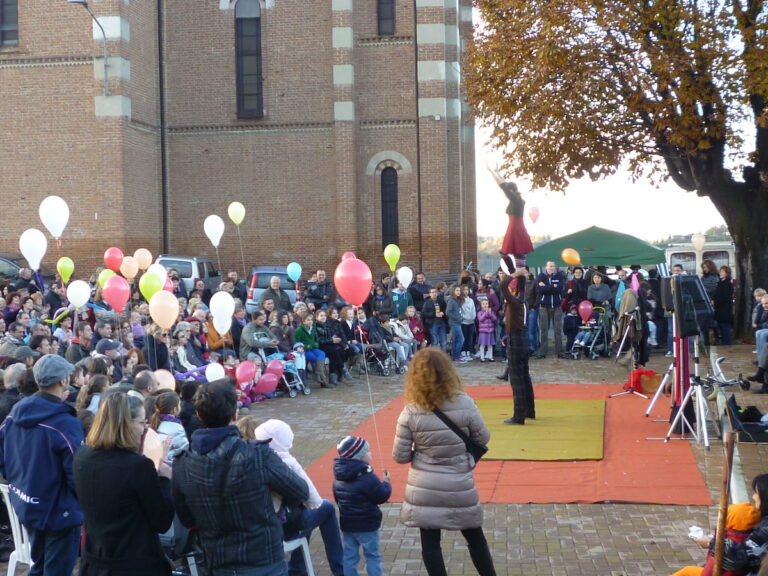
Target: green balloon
pixel 65 267
pixel 149 285
pixel 105 275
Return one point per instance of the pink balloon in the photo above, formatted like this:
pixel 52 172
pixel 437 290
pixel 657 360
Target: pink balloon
pixel 116 292
pixel 585 310
pixel 245 372
pixel 168 286
pixel 275 367
pixel 348 255
pixel 534 214
pixel 266 384
pixel 353 280
pixel 113 258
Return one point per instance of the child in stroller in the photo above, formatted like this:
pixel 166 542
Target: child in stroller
pixel 378 354
pixel 593 337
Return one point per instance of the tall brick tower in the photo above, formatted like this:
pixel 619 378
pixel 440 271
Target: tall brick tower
pixel 339 124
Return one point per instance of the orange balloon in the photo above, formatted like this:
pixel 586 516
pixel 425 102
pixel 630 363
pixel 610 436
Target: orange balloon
pixel 143 258
pixel 570 257
pixel 165 380
pixel 164 309
pixel 129 268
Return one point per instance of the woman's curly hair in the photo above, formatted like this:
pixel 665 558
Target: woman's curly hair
pixel 431 379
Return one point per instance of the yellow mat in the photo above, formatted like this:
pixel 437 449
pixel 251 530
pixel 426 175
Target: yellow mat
pixel 563 430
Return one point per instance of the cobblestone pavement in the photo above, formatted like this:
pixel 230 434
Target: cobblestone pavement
pixel 531 540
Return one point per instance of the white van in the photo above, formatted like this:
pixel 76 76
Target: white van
pixel 722 253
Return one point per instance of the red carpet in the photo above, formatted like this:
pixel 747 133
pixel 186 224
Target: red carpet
pixel 633 469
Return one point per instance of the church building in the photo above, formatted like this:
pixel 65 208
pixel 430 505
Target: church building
pixel 339 125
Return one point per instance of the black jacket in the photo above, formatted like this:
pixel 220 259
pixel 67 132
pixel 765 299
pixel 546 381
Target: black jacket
pixel 126 505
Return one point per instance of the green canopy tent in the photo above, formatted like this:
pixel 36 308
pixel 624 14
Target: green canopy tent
pixel 598 247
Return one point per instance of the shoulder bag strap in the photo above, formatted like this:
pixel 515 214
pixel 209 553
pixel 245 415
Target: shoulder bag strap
pixel 450 423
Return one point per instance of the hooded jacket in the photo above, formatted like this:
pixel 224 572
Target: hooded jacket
pixel 358 492
pixel 38 441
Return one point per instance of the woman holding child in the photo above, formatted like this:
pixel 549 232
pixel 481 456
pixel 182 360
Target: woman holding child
pixel 440 494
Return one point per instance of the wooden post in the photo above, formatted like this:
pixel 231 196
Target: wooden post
pixel 723 513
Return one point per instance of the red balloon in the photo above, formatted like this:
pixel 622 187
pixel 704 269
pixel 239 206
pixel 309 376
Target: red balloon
pixel 348 255
pixel 353 280
pixel 534 214
pixel 275 367
pixel 168 286
pixel 113 257
pixel 585 310
pixel 116 292
pixel 246 371
pixel 266 384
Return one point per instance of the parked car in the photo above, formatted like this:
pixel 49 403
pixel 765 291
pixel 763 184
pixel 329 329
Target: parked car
pixel 259 281
pixel 10 264
pixel 192 268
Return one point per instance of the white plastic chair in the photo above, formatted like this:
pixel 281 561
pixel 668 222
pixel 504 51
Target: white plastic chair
pixel 291 545
pixel 22 554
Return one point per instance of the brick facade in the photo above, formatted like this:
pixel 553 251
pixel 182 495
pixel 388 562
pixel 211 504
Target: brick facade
pixel 340 106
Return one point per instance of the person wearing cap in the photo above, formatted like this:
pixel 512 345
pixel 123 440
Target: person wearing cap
pixel 222 486
pixel 111 349
pixel 358 493
pixel 38 441
pixel 26 355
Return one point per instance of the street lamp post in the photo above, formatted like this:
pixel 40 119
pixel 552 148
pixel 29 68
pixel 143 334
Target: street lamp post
pixel 84 4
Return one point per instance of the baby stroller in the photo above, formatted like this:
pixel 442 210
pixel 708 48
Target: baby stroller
pixel 596 337
pixel 290 381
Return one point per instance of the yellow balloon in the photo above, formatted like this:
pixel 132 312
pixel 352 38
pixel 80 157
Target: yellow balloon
pixel 392 255
pixel 129 268
pixel 236 213
pixel 570 257
pixel 164 309
pixel 143 258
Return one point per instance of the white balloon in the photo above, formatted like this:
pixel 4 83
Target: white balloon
pixel 78 293
pixel 222 307
pixel 159 271
pixel 405 275
pixel 54 214
pixel 214 371
pixel 214 229
pixel 33 246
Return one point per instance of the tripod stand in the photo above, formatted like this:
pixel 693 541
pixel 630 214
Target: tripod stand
pixel 695 392
pixel 628 331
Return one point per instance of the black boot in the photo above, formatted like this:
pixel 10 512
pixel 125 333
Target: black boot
pixel 757 377
pixel 504 376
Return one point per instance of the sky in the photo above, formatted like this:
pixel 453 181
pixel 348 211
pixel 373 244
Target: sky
pixel 640 209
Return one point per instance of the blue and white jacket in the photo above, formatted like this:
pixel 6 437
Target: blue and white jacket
pixel 38 441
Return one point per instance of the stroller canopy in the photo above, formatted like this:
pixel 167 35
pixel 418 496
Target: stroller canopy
pixel 598 247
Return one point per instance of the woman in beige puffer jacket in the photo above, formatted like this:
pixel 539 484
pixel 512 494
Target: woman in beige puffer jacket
pixel 440 493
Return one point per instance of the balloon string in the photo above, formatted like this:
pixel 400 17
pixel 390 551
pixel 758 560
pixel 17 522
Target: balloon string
pixel 218 259
pixel 373 409
pixel 242 255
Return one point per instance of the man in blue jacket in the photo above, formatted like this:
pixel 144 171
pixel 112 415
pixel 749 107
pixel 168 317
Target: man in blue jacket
pixel 38 441
pixel 550 285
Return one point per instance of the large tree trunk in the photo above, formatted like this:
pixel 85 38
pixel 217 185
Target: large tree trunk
pixel 744 208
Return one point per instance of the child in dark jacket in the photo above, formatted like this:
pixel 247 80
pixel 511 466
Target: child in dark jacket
pixel 358 493
pixel 571 322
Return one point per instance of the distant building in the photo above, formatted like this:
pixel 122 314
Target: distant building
pixel 306 112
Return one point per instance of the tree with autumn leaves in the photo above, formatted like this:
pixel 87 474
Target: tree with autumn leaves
pixel 665 88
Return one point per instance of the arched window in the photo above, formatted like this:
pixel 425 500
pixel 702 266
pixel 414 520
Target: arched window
pixel 9 22
pixel 389 219
pixel 250 96
pixel 385 10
